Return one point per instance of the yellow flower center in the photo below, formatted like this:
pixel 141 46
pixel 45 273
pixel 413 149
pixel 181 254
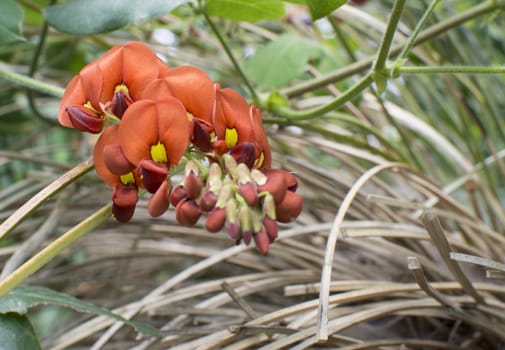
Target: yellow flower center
pixel 159 153
pixel 127 179
pixel 89 105
pixel 230 137
pixel 122 87
pixel 259 162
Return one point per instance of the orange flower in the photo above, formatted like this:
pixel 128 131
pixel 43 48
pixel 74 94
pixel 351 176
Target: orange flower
pixel 109 85
pixel 239 129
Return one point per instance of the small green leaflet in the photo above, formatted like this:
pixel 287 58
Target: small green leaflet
pixel 321 8
pixel 246 10
pixel 281 61
pixel 11 19
pixel 100 16
pixel 22 298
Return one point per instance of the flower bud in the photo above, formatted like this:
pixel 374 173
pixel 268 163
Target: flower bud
pixel 123 214
pixel 258 177
pixel 187 212
pixel 201 135
pixel 192 185
pixel 244 217
pixel 262 242
pixel 120 102
pixel 275 185
pixel 124 195
pixel 230 164
pixel 159 202
pixel 208 201
pixel 177 195
pixel 271 228
pixel 115 160
pixel 289 208
pixel 248 192
pixel 232 222
pixel 153 174
pixel 214 179
pixel 245 153
pixel 269 206
pixel 215 220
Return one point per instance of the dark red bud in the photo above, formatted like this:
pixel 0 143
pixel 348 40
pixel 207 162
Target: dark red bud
pixel 289 178
pixel 192 185
pixel 159 203
pixel 153 174
pixel 84 119
pixel 177 195
pixel 245 153
pixel 289 208
pixel 276 185
pixel 247 236
pixel 115 160
pixel 271 228
pixel 262 242
pixel 208 201
pixel 120 102
pixel 215 220
pixel 248 192
pixel 187 212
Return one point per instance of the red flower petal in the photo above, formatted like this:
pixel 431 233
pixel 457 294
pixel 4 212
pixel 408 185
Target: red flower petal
pixel 147 123
pixel 264 159
pixel 232 112
pixel 109 136
pixel 290 207
pixel 159 203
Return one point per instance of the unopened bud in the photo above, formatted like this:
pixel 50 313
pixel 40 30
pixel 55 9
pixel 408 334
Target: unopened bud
pixel 269 206
pixel 290 207
pixel 214 179
pixel 177 195
pixel 271 228
pixel 258 177
pixel 192 185
pixel 85 119
pixel 159 203
pixel 230 164
pixel 262 242
pixel 187 212
pixel 215 220
pixel 249 193
pixel 275 185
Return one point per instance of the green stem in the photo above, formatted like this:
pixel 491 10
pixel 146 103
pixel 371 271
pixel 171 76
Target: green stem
pixel 410 43
pixel 227 49
pixel 336 103
pixel 29 83
pixel 53 249
pixel 449 70
pixel 427 34
pixel 387 40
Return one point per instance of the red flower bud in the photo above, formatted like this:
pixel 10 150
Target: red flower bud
pixel 159 203
pixel 271 228
pixel 215 220
pixel 247 236
pixel 187 212
pixel 276 185
pixel 177 195
pixel 201 135
pixel 153 174
pixel 123 214
pixel 244 153
pixel 124 196
pixel 262 242
pixel 84 119
pixel 208 201
pixel 115 160
pixel 248 192
pixel 120 102
pixel 192 185
pixel 233 229
pixel 289 208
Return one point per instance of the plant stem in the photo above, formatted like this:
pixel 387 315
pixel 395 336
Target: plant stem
pixel 53 249
pixel 410 43
pixel 227 49
pixel 450 70
pixel 387 40
pixel 358 67
pixel 29 83
pixel 318 111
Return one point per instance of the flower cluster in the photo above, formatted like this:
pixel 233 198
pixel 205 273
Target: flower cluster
pixel 158 124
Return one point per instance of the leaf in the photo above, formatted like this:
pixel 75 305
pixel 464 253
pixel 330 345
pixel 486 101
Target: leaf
pixel 281 61
pixel 301 2
pixel 11 19
pixel 246 10
pixel 100 16
pixel 17 333
pixel 22 298
pixel 321 8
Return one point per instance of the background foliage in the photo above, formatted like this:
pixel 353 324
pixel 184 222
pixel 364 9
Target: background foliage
pixel 399 161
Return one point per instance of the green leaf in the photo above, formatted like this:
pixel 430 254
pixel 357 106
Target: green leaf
pixel 281 61
pixel 321 8
pixel 22 298
pixel 17 333
pixel 100 16
pixel 11 19
pixel 246 10
pixel 301 2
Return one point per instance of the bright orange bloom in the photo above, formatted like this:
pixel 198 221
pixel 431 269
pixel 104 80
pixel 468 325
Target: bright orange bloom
pixel 109 85
pixel 239 129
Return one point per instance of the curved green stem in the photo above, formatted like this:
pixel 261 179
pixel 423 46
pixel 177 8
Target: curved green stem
pixel 29 83
pixel 318 111
pixel 227 49
pixel 429 33
pixel 53 249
